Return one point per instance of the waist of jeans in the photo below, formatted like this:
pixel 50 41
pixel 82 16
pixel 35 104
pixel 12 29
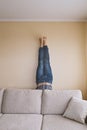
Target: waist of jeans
pixel 44 83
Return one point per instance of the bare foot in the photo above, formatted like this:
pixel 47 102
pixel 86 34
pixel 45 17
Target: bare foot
pixel 41 42
pixel 44 41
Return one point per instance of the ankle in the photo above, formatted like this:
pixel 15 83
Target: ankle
pixel 41 42
pixel 44 41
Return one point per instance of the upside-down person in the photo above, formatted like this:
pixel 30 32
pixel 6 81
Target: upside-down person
pixel 44 75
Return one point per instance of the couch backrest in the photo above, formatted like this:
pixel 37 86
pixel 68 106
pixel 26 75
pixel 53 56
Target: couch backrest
pixel 21 101
pixel 55 101
pixel 1 97
pixel 32 101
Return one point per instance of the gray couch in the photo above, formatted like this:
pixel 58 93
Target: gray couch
pixel 26 109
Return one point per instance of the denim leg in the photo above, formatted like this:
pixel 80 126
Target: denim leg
pixel 47 67
pixel 39 72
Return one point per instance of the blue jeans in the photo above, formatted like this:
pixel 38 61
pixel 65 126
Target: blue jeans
pixel 44 72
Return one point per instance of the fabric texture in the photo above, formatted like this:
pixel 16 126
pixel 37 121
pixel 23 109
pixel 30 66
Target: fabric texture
pixel 1 97
pixel 58 122
pixel 55 101
pixel 20 122
pixel 0 114
pixel 76 110
pixel 22 101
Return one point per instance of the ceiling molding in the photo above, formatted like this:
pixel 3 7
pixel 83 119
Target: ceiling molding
pixel 43 20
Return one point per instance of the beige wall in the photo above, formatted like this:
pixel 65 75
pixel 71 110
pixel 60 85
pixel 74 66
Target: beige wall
pixel 86 54
pixel 19 53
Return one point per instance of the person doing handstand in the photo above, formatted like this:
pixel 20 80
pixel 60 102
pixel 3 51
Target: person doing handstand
pixel 44 75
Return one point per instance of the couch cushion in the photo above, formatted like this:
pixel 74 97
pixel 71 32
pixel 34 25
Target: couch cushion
pixel 20 122
pixel 22 101
pixel 55 101
pixel 0 114
pixel 58 122
pixel 1 96
pixel 76 110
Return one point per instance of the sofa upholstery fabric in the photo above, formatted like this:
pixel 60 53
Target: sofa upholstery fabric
pixel 56 101
pixel 58 122
pixel 0 114
pixel 76 110
pixel 21 101
pixel 26 109
pixel 1 96
pixel 20 122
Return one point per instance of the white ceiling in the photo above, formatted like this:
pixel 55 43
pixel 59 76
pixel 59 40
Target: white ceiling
pixel 43 10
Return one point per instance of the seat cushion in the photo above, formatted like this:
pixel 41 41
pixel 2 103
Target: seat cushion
pixel 55 101
pixel 22 101
pixel 58 122
pixel 20 122
pixel 1 96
